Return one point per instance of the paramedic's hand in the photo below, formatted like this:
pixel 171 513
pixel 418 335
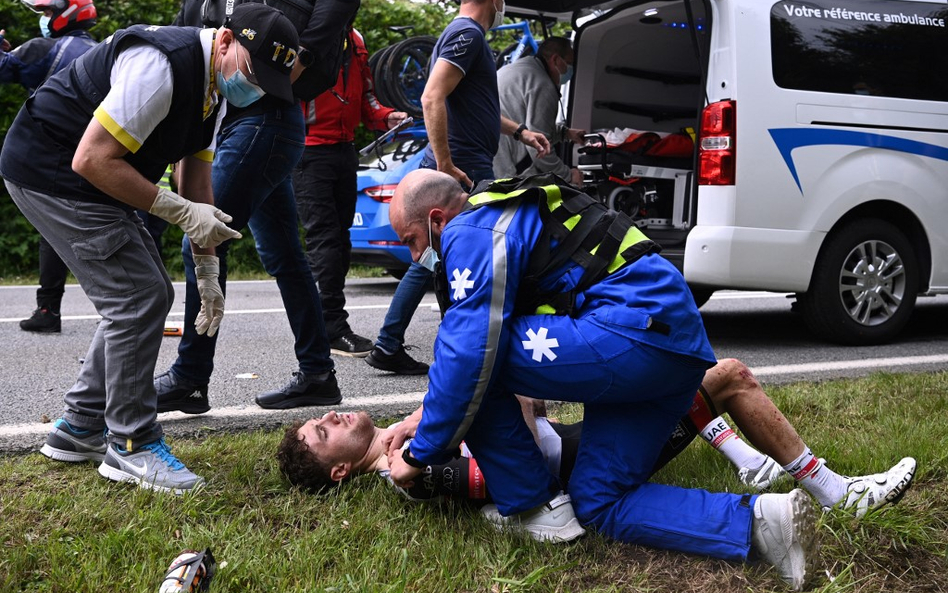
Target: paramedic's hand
pixel 396 436
pixel 576 136
pixel 537 142
pixel 401 473
pixel 576 177
pixel 204 223
pixel 207 269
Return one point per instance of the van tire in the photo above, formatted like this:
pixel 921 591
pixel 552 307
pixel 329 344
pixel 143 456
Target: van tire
pixel 847 272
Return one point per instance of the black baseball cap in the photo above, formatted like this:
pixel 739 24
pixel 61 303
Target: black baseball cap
pixel 272 42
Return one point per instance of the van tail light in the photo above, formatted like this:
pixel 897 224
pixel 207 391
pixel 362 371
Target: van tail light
pixel 717 154
pixel 381 193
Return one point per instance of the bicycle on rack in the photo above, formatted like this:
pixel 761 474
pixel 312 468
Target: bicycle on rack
pixel 525 44
pixel 401 71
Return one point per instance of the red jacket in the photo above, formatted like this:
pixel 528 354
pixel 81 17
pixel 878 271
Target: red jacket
pixel 329 119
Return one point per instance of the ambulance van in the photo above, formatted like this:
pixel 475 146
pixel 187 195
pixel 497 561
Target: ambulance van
pixel 791 146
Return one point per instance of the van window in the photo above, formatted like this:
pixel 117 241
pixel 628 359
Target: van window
pixel 886 48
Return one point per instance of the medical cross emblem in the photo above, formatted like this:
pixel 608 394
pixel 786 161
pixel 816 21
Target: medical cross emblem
pixel 540 345
pixel 461 283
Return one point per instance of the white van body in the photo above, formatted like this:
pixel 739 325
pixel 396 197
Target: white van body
pixel 838 184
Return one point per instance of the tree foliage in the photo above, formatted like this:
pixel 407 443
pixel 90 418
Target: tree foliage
pixel 18 240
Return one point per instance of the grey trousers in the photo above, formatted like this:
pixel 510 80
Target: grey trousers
pixel 114 258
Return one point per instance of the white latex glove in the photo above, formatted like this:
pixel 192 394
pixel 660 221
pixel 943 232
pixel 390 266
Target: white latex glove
pixel 207 269
pixel 204 223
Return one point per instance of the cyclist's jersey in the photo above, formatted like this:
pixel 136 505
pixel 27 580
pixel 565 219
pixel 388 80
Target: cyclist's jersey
pixel 474 105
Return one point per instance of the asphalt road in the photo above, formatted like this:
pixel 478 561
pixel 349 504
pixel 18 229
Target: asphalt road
pixel 255 341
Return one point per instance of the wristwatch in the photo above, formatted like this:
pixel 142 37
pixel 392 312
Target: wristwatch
pixel 407 458
pixel 519 131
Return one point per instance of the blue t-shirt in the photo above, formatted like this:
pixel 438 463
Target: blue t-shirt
pixel 474 105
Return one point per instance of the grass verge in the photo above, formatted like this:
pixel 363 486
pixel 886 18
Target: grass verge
pixel 65 529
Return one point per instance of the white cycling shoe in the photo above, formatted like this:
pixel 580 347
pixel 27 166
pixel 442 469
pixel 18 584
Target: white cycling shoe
pixel 868 493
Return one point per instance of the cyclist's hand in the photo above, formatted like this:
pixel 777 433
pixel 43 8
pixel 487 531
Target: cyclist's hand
pixel 536 141
pixel 576 135
pixel 394 118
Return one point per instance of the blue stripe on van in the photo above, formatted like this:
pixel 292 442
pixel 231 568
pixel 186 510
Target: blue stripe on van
pixel 787 139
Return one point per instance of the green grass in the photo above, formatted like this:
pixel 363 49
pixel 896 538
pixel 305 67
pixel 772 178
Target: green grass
pixel 64 529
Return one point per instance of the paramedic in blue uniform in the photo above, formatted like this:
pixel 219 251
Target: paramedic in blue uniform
pixel 83 153
pixel 633 350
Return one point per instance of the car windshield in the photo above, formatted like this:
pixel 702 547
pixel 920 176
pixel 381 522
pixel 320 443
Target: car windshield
pixel 394 154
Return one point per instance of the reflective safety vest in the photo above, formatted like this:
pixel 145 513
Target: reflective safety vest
pixel 576 227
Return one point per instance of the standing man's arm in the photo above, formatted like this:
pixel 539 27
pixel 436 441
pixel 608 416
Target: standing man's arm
pixel 442 81
pixel 534 140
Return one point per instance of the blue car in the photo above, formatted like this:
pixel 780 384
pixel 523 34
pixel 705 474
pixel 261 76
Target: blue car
pixel 374 243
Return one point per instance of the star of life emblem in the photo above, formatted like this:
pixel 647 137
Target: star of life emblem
pixel 540 344
pixel 460 284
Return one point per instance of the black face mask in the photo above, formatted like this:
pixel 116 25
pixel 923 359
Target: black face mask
pixel 442 288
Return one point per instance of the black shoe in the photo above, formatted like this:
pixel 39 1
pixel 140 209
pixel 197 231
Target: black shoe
pixel 176 395
pixel 302 391
pixel 399 363
pixel 44 321
pixel 351 344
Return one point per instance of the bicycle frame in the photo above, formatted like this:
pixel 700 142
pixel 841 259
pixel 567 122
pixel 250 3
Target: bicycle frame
pixel 524 40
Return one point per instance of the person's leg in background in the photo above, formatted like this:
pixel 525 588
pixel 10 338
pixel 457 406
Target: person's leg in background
pixel 49 296
pixel 389 351
pixel 275 227
pixel 255 154
pixel 325 186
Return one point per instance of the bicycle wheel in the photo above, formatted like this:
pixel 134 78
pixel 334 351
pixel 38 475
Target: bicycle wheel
pixel 406 72
pixel 376 66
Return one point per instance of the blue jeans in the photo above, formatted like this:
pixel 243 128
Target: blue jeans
pixel 251 178
pixel 407 297
pixel 413 285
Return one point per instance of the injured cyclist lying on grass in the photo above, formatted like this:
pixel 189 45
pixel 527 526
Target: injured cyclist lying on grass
pixel 327 451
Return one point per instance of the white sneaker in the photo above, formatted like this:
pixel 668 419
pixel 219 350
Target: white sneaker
pixel 867 493
pixel 553 522
pixel 784 535
pixel 762 477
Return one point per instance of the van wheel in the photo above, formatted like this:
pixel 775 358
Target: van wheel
pixel 864 285
pixel 398 273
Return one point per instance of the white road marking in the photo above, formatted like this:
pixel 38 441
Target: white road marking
pixel 414 398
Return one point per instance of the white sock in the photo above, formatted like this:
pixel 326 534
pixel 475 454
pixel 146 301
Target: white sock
pixel 719 435
pixel 823 483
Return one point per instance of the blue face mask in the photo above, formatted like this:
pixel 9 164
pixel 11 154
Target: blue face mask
pixel 44 26
pixel 429 258
pixel 237 89
pixel 566 76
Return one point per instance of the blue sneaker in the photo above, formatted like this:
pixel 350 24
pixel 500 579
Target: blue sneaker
pixel 152 466
pixel 67 443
